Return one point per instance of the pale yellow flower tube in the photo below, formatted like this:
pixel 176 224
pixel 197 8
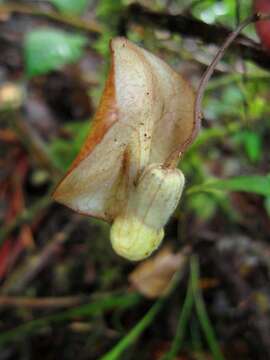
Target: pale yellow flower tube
pixel 138 231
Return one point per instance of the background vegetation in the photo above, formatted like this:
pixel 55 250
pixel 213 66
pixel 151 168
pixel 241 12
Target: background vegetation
pixel 64 293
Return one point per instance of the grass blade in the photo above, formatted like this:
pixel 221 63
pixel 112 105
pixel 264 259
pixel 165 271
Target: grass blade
pixel 257 184
pixel 202 313
pixel 96 307
pixel 182 324
pixel 139 328
pixel 132 336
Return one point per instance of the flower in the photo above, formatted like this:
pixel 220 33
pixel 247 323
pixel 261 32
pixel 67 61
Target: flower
pixel 124 173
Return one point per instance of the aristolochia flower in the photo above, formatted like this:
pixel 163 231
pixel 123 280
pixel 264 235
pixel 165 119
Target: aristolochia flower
pixel 122 173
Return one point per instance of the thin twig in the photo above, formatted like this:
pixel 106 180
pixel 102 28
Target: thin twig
pixel 28 271
pixel 34 144
pixel 25 217
pixel 95 307
pixel 172 159
pixel 188 26
pixel 209 72
pixel 76 22
pixel 46 302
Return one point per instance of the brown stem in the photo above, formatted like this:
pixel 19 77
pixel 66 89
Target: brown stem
pixel 33 143
pixel 46 302
pixel 189 27
pixel 25 217
pixel 172 159
pixel 70 20
pixel 32 266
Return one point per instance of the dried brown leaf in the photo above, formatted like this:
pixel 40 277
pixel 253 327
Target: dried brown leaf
pixel 153 276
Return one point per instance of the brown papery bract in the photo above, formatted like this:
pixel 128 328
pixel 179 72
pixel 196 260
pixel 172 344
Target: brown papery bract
pixel 145 114
pixel 126 173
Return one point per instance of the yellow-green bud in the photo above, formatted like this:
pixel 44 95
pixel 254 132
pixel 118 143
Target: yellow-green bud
pixel 137 232
pixel 132 239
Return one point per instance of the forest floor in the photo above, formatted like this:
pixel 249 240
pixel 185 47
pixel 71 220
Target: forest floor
pixel 64 293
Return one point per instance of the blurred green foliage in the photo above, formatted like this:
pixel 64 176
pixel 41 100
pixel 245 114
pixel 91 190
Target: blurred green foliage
pixel 222 11
pixel 71 6
pixel 253 184
pixel 108 13
pixel 49 49
pixel 63 151
pixel 252 144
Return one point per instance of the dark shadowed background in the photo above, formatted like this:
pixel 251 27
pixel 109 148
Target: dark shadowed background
pixel 64 294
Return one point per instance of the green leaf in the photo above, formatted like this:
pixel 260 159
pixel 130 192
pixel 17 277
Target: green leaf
pixel 252 144
pixel 254 184
pixel 76 7
pixel 107 8
pixel 207 202
pixel 49 49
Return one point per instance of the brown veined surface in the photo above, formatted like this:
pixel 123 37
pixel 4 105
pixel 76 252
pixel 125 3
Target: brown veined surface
pixel 145 113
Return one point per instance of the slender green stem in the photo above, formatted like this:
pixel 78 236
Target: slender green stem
pixel 88 310
pixel 182 324
pixel 138 329
pixel 132 336
pixel 196 340
pixel 202 313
